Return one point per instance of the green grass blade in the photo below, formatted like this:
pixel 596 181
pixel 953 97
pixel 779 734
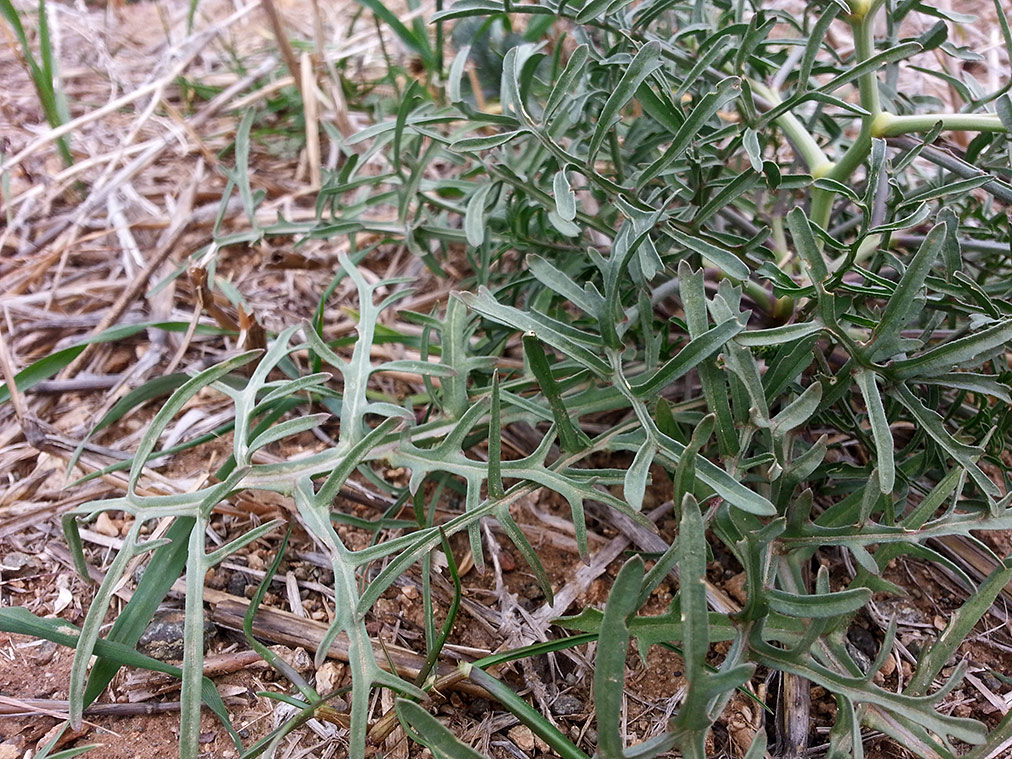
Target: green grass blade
pixel 175 403
pixel 495 487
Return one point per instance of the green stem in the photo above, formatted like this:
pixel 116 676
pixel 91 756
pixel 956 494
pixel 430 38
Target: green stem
pixel 804 143
pixel 862 23
pixel 822 206
pixel 822 199
pixel 864 48
pixel 784 253
pixel 888 125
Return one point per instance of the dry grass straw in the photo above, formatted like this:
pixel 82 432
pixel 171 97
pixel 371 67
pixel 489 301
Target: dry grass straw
pixel 89 240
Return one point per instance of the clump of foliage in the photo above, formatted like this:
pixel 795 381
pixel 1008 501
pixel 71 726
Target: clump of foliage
pixel 719 265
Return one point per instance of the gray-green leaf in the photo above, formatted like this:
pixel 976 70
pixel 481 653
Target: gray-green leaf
pixel 565 198
pixel 474 217
pixel 647 60
pixel 880 431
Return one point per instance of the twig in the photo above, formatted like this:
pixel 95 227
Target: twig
pixel 288 629
pixel 27 707
pixel 77 384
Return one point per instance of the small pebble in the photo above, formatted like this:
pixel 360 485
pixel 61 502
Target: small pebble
pixel 237 584
pixel 522 736
pixel 44 652
pixel 991 681
pixel 863 640
pixel 329 677
pixel 297 658
pixel 16 561
pixel 479 708
pixel 566 705
pixel 736 588
pixel 163 638
pixel 104 525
